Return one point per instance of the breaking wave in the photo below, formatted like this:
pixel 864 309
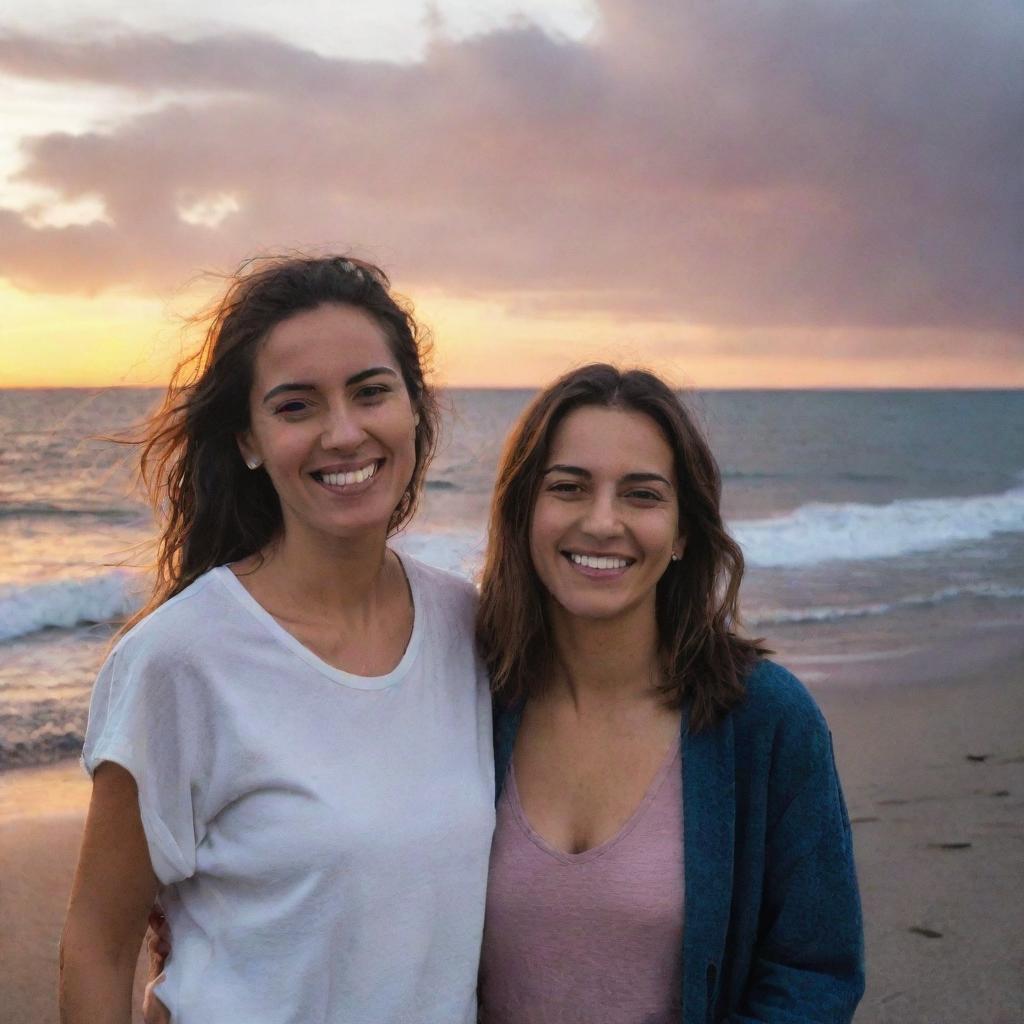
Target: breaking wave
pixel 817 533
pixel 63 604
pixel 793 616
pixel 810 535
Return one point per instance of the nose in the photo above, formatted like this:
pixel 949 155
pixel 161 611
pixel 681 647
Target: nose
pixel 601 518
pixel 342 429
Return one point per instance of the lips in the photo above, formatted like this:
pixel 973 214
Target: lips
pixel 596 565
pixel 337 477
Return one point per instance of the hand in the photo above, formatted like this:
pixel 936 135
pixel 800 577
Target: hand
pixel 158 943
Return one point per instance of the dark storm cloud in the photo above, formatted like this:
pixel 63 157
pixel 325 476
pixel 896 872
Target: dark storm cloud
pixel 805 162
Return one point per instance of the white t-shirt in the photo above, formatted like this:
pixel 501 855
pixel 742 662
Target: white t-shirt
pixel 323 837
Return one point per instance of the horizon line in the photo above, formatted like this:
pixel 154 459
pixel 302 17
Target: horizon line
pixel 537 387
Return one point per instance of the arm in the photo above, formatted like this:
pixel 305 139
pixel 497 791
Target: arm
pixel 159 945
pixel 113 891
pixel 809 960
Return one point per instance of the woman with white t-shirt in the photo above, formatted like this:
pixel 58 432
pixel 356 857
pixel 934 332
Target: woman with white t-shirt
pixel 292 743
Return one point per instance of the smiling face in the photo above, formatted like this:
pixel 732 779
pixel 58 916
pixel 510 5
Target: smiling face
pixel 605 521
pixel 331 422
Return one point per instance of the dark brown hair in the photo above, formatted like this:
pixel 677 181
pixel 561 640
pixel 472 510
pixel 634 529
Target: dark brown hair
pixel 697 597
pixel 212 509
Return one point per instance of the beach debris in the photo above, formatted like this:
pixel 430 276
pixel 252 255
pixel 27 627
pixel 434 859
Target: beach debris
pixel 950 846
pixel 1000 792
pixel 859 821
pixel 928 933
pixel 890 997
pixel 978 757
pixel 900 801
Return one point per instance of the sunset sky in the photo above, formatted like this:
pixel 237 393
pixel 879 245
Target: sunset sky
pixel 742 193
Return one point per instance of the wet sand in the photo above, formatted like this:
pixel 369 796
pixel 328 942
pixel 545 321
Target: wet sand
pixel 933 772
pixel 41 816
pixel 931 751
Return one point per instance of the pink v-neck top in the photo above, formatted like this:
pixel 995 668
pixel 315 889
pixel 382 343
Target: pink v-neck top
pixel 587 938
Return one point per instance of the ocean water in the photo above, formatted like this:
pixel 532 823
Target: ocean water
pixel 872 523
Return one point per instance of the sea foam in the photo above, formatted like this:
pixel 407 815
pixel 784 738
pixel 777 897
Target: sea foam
pixel 115 594
pixel 810 535
pixel 816 533
pixel 105 597
pixel 826 613
pixel 458 551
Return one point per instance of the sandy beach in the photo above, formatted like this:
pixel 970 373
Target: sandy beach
pixel 41 815
pixel 933 772
pixel 931 751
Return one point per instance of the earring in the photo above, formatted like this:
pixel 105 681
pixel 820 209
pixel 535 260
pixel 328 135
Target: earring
pixel 675 557
pixel 254 463
pixel 416 420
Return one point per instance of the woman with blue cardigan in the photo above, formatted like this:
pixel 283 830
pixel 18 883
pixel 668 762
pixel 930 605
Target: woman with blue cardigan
pixel 671 841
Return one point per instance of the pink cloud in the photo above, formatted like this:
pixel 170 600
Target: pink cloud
pixel 804 164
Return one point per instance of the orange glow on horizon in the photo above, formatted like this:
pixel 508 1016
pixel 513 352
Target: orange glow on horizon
pixel 123 339
pixel 49 340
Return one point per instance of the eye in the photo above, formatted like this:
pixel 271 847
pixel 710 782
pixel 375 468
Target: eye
pixel 291 407
pixel 565 487
pixel 372 391
pixel 644 494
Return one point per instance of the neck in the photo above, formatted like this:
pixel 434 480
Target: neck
pixel 327 576
pixel 605 661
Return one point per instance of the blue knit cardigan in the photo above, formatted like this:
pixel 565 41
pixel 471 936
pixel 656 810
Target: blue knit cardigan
pixel 772 922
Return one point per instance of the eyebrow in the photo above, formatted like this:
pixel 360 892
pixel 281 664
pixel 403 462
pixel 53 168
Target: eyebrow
pixel 629 478
pixel 356 378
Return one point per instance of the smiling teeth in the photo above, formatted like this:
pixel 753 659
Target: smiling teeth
pixel 346 479
pixel 593 562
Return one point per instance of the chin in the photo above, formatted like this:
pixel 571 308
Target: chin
pixel 593 611
pixel 353 526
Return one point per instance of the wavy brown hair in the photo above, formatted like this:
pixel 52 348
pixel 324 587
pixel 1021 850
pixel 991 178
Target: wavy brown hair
pixel 211 508
pixel 706 660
